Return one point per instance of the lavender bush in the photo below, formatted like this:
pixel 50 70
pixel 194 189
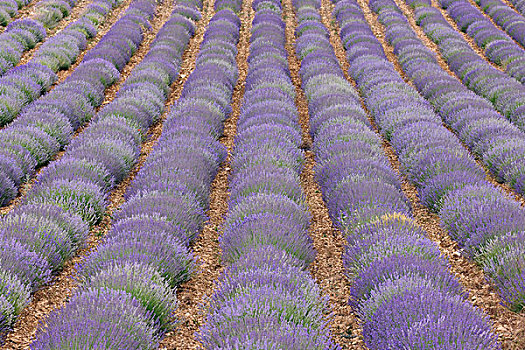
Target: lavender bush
pixel 146 254
pixel 505 93
pixel 264 299
pixel 49 121
pixel 485 132
pixel 393 266
pixel 69 196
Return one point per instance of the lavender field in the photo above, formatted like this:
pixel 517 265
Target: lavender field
pixel 262 174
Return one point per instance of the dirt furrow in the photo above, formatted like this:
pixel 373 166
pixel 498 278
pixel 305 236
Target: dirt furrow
pixel 193 294
pixel 62 287
pixel 327 268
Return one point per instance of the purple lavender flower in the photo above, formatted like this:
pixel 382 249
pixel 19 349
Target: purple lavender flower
pixel 99 319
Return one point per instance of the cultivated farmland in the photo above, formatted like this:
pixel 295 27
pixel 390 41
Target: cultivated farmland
pixel 262 174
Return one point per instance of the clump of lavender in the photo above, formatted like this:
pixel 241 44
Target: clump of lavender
pixel 265 299
pixel 401 287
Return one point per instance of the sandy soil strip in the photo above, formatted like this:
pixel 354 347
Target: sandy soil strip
pixel 193 294
pixel 62 287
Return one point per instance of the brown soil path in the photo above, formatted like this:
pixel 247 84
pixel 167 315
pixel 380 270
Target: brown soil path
pixel 62 287
pixel 193 294
pixel 509 326
pixel 327 268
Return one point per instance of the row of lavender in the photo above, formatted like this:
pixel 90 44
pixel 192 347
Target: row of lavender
pixel 19 36
pixel 9 9
pixel 47 13
pixel 519 5
pixel 499 144
pixel 478 216
pixel 47 124
pixel 504 16
pixel 128 284
pixel 23 34
pixel 504 92
pixel 498 46
pixel 264 298
pixel 401 288
pixel 25 83
pixel 70 195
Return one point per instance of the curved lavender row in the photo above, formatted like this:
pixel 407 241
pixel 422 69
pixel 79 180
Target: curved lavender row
pixel 46 125
pixel 506 94
pixel 498 46
pixel 47 12
pixel 498 143
pixel 19 36
pixel 264 298
pixel 23 34
pixel 27 82
pixel 164 210
pixel 395 268
pixel 519 5
pixel 50 12
pixel 506 17
pixel 57 53
pixel 484 222
pixel 9 9
pixel 70 194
